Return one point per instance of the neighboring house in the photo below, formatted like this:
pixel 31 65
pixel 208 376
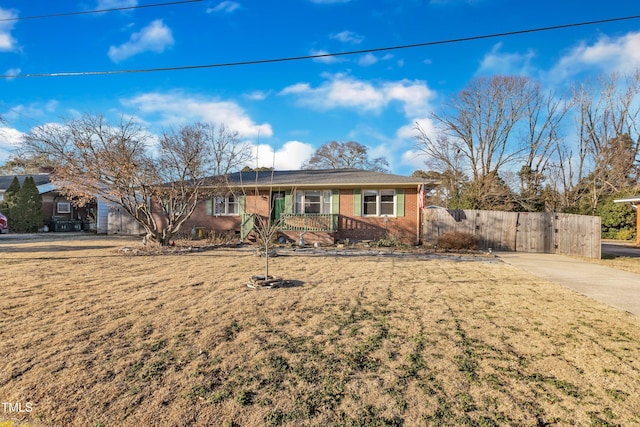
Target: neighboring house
pixel 62 215
pixel 54 205
pixel 635 201
pixel 323 206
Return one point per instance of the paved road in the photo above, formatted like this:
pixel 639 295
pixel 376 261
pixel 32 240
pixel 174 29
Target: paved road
pixel 618 249
pixel 616 288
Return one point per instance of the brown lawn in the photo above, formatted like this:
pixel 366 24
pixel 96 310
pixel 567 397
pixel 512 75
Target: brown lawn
pixel 92 337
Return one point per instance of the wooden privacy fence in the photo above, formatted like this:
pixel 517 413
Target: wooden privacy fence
pixel 541 232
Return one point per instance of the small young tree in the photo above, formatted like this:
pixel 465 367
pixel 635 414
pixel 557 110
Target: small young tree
pixel 27 211
pixel 8 203
pixel 267 231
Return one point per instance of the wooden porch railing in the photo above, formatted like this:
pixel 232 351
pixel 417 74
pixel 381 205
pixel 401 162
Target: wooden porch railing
pixel 248 222
pixel 310 222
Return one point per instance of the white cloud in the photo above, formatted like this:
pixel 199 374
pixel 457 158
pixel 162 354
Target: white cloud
pixel 297 88
pixel 257 95
pixel 115 4
pixel 497 62
pixel 342 91
pixel 7 42
pixel 9 140
pixel 155 37
pixel 367 60
pixel 10 137
pixel 175 109
pixel 225 7
pixel 371 59
pixel 348 37
pixel 323 59
pixel 35 111
pixel 12 72
pixel 290 157
pixel 607 54
pixel 414 158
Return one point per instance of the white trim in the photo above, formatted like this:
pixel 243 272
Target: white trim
pixel 325 204
pixel 66 205
pixel 379 202
pixel 224 203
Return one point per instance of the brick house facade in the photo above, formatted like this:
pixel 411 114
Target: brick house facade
pixel 323 206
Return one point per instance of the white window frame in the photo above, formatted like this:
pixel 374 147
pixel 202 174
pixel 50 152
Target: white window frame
pixel 378 202
pixel 228 205
pixel 63 207
pixel 300 201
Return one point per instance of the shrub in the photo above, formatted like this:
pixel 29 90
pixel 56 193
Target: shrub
pixel 625 234
pixel 389 241
pixel 458 240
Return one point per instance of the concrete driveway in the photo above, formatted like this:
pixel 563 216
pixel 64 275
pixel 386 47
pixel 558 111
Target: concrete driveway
pixel 616 288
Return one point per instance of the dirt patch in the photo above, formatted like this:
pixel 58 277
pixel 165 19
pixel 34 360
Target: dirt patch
pixel 92 337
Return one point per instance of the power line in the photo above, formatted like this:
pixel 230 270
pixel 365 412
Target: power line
pixel 318 56
pixel 57 15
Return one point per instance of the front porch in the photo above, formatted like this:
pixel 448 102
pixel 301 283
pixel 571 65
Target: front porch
pixel 315 227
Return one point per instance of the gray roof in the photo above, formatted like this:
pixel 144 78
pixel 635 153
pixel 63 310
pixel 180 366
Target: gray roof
pixel 39 178
pixel 323 178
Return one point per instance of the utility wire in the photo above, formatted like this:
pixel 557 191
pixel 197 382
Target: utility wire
pixel 318 56
pixel 57 15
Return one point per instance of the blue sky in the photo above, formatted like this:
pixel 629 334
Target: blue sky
pixel 293 107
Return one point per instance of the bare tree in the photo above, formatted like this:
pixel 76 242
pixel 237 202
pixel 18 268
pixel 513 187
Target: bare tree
pixel 477 135
pixel 159 185
pixel 609 138
pixel 544 116
pixel 339 155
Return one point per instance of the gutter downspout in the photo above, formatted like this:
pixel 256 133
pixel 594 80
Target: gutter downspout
pixel 418 217
pixel 635 206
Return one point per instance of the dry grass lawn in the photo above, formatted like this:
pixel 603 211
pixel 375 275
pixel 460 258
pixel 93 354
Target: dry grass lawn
pixel 631 265
pixel 91 337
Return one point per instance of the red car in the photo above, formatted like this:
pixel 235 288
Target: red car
pixel 4 226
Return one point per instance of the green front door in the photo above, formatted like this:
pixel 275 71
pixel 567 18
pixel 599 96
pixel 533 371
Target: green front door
pixel 277 204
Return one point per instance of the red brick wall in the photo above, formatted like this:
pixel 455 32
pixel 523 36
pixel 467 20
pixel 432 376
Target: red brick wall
pixel 354 228
pixel 374 228
pixel 254 203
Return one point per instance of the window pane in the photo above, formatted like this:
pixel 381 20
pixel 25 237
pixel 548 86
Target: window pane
pixel 312 196
pixel 370 202
pixel 387 195
pixel 232 207
pixel 310 207
pixel 312 201
pixel 326 201
pixel 218 206
pixel 387 202
pixel 298 204
pixel 64 207
pixel 386 208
